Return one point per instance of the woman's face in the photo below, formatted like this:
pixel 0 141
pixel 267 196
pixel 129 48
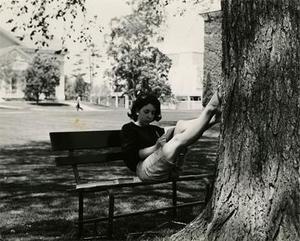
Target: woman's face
pixel 146 114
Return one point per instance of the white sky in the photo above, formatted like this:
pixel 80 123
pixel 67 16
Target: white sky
pixel 107 9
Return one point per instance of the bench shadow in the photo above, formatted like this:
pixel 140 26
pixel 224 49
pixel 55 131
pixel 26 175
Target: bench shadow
pixel 36 200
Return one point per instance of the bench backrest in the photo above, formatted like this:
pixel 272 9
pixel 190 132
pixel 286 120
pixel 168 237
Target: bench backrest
pixel 86 140
pixel 79 140
pixel 107 146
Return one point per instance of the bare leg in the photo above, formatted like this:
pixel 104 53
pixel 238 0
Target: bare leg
pixel 182 125
pixel 188 132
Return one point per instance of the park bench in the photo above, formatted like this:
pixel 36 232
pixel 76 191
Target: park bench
pixel 76 149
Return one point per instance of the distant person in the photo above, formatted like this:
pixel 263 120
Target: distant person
pixel 78 103
pixel 152 153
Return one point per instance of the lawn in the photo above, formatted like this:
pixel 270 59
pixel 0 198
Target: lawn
pixel 34 202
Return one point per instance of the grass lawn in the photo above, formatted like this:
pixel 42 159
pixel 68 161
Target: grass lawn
pixel 35 204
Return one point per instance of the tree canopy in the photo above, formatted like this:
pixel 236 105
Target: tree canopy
pixel 138 67
pixel 41 77
pixel 41 20
pixel 81 87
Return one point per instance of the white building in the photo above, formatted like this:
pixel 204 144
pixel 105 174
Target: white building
pixel 15 57
pixel 184 44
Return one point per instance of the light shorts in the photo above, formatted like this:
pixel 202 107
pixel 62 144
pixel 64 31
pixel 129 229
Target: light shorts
pixel 156 168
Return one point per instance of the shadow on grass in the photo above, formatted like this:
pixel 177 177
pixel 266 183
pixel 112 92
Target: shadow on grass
pixel 36 203
pixel 49 104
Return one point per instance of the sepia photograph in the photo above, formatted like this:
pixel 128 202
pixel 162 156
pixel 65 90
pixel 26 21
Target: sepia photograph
pixel 149 120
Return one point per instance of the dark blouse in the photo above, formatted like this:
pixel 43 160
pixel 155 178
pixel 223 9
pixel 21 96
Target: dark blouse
pixel 134 138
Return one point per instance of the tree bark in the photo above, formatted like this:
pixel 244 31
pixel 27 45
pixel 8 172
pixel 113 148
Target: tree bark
pixel 37 96
pixel 257 192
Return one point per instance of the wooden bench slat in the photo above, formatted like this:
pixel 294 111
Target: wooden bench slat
pixel 194 177
pixel 131 182
pixel 88 158
pixel 77 140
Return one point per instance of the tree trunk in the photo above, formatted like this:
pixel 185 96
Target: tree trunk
pixel 256 194
pixel 37 97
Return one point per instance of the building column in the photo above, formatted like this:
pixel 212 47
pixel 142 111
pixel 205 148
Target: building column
pixel 116 101
pixel 126 102
pixel 60 89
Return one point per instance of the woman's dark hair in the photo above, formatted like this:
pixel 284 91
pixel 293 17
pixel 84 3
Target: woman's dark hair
pixel 140 102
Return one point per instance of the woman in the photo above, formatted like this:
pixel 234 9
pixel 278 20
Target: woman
pixel 78 101
pixel 151 153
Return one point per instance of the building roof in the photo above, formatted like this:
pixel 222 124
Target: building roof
pixel 10 36
pixel 5 51
pixel 27 43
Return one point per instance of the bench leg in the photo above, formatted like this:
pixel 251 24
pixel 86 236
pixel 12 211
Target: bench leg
pixel 110 213
pixel 80 214
pixel 174 199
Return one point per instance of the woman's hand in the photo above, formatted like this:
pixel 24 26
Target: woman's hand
pixel 145 152
pixel 161 141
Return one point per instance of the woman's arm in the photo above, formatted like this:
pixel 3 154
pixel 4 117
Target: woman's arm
pixel 130 143
pixel 145 152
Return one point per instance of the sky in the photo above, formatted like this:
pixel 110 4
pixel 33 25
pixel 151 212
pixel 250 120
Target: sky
pixel 107 9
